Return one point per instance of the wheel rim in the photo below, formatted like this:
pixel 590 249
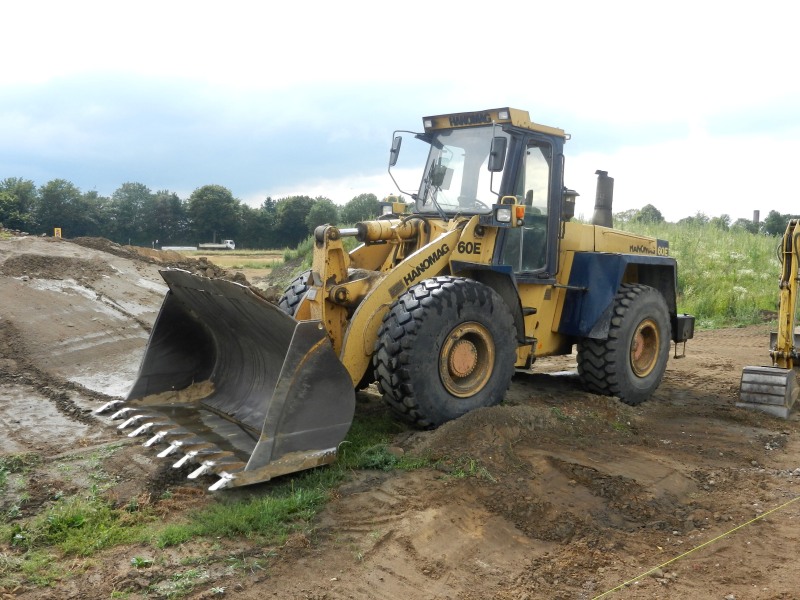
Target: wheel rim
pixel 644 348
pixel 466 359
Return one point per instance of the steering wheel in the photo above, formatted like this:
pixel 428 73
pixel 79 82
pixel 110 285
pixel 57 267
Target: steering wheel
pixel 480 205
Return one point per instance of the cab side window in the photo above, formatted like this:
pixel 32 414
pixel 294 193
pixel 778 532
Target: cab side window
pixel 526 247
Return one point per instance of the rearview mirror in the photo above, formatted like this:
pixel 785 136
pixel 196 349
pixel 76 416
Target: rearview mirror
pixel 395 151
pixel 441 176
pixel 497 154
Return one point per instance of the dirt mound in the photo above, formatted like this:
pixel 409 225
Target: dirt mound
pixel 200 266
pixel 55 267
pixel 104 245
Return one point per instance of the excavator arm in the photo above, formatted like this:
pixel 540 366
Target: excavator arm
pixel 774 389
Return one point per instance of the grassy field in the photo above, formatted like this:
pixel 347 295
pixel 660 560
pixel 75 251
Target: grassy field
pixel 242 259
pixel 725 278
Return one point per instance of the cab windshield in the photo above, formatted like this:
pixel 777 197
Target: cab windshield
pixel 456 174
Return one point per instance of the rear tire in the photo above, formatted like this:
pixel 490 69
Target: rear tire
pixel 630 363
pixel 445 347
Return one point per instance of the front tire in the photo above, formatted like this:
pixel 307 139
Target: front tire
pixel 294 293
pixel 445 347
pixel 630 363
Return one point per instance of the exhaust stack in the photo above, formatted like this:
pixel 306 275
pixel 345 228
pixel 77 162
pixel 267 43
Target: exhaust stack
pixel 604 197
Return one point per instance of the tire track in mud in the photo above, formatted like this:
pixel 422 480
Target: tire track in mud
pixel 17 369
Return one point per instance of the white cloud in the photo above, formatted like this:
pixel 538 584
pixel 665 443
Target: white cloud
pixel 732 175
pixel 340 190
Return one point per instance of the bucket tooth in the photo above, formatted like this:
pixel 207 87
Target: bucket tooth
pixel 152 421
pixel 224 481
pixel 157 437
pixel 143 428
pixel 107 406
pixel 131 421
pixel 197 450
pixel 185 458
pixel 170 449
pixel 121 413
pixel 205 467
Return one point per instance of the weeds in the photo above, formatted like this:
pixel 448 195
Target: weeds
pixel 141 563
pixel 245 564
pixel 725 278
pixel 305 249
pixel 470 467
pixel 366 446
pixel 77 526
pixel 19 463
pixel 181 584
pixel 36 568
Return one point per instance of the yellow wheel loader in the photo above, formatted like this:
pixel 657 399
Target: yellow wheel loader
pixel 773 389
pixel 439 304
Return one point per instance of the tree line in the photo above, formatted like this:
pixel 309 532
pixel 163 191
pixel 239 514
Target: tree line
pixel 774 224
pixel 134 214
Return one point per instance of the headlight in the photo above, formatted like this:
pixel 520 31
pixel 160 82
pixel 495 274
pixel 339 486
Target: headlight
pixel 503 214
pixel 386 209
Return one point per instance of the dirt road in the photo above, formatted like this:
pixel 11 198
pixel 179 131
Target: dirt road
pixel 558 493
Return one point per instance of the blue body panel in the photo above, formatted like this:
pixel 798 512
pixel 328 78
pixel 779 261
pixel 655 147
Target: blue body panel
pixel 594 281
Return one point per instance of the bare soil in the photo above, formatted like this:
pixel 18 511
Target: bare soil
pixel 557 493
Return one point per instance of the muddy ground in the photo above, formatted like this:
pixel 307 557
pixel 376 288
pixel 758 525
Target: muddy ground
pixel 565 494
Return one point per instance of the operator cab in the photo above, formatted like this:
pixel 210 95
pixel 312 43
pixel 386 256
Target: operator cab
pixel 476 159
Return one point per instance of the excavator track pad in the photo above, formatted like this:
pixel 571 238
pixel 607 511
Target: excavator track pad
pixel 769 389
pixel 233 384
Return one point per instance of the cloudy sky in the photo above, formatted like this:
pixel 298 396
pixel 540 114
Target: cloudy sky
pixel 690 106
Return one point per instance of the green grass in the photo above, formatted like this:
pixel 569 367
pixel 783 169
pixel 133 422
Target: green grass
pixel 304 250
pixel 464 467
pixel 725 278
pixel 290 506
pixel 15 464
pixel 269 518
pixel 261 264
pixel 19 463
pixel 79 526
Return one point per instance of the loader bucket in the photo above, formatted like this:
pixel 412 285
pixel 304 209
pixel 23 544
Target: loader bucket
pixel 769 389
pixel 232 383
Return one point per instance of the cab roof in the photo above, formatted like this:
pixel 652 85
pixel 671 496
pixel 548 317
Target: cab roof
pixel 513 116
